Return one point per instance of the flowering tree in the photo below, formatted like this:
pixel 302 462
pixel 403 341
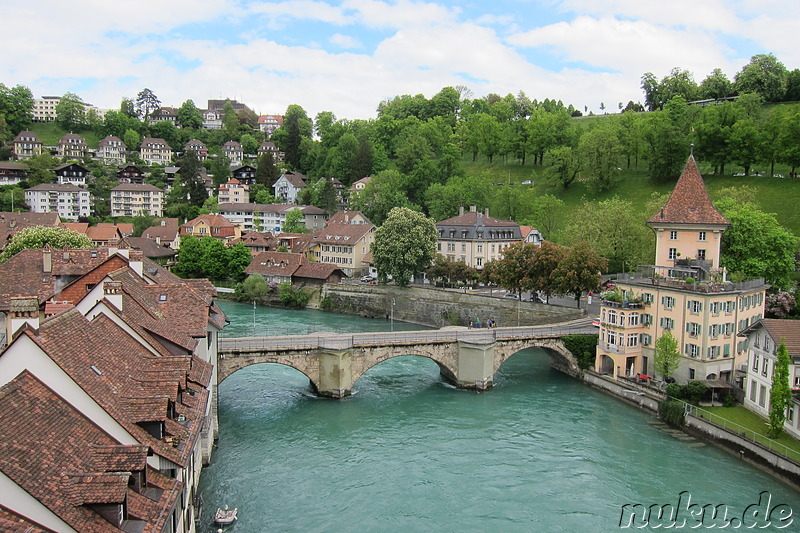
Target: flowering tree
pixel 780 305
pixel 41 236
pixel 404 245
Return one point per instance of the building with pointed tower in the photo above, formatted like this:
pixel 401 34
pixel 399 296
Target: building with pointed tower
pixel 685 292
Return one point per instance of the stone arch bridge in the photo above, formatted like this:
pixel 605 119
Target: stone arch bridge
pixel 468 358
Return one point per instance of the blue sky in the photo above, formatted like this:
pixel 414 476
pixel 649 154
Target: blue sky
pixel 346 56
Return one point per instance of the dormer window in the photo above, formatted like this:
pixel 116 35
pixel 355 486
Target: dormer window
pixel 162 297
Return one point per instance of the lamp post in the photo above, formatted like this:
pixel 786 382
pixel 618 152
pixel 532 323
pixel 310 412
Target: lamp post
pixel 392 314
pixel 254 318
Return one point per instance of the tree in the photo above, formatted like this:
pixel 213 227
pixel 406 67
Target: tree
pixel 16 106
pixel 221 170
pixel 404 245
pixel 667 137
pixel 128 108
pixel 296 126
pixel 40 169
pixel 12 198
pixel 579 271
pixel 716 85
pixel 756 245
pixel 147 103
pixel 780 395
pixel 266 171
pixel 600 150
pixel 191 180
pixel 41 236
pixel 70 112
pixel 564 166
pixel 546 215
pixel 295 222
pixel 764 75
pixel 667 357
pixel 189 116
pixel 132 139
pixel 514 271
pixel 546 259
pixel 382 193
pixel 249 144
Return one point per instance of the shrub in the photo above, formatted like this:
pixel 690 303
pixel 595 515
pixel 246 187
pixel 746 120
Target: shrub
pixel 583 347
pixel 694 391
pixel 674 390
pixel 671 412
pixel 292 297
pixel 729 401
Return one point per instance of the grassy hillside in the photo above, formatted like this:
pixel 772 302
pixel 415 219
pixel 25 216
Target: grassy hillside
pixel 774 195
pixel 50 133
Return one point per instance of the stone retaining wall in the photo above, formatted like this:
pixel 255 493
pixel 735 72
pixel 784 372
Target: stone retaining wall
pixel 438 308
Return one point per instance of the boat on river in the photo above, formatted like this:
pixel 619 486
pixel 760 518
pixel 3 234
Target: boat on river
pixel 225 516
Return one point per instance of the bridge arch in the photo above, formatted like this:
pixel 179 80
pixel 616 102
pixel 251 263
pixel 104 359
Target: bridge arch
pixel 445 357
pixel 560 357
pixel 304 361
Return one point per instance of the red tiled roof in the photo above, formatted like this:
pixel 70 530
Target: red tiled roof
pixel 342 234
pixel 784 329
pixel 320 271
pixel 473 218
pixel 689 202
pixel 11 522
pixel 275 264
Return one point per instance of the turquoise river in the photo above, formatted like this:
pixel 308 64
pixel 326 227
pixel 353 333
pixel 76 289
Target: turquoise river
pixel 407 452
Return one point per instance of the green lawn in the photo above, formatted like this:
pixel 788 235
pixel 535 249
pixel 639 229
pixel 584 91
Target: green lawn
pixel 774 195
pixel 50 133
pixel 731 417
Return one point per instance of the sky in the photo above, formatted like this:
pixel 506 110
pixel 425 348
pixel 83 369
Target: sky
pixel 347 56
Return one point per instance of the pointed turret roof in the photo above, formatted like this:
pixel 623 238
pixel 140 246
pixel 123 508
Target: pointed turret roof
pixel 689 202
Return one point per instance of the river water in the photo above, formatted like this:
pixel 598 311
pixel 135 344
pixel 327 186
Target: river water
pixel 408 452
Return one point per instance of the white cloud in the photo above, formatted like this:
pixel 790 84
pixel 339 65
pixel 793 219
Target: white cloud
pixel 345 41
pixel 400 14
pixel 303 10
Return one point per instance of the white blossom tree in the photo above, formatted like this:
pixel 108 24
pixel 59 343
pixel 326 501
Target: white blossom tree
pixel 404 245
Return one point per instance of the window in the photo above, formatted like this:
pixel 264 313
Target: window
pixel 480 248
pixel 692 350
pixel 633 339
pixel 668 302
pixel 753 390
pixel 713 352
pixel 693 329
pixel 691 373
pixel 673 235
pixel 762 396
pixel 694 306
pixel 765 367
pixel 633 319
pixel 646 339
pixel 667 323
pixel 701 255
pixel 673 254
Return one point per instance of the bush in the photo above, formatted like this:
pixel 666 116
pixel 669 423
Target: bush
pixel 671 412
pixel 583 347
pixel 729 401
pixel 292 297
pixel 674 390
pixel 694 391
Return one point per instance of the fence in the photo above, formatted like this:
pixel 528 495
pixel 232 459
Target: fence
pixel 741 431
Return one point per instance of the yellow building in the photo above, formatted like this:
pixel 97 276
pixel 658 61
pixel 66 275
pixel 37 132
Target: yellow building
pixel 685 293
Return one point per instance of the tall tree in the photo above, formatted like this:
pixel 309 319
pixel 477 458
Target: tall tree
pixel 191 180
pixel 514 271
pixel 70 112
pixel 667 137
pixel 780 395
pixel 189 116
pixel 297 126
pixel 266 171
pixel 41 236
pixel 667 357
pixel 147 103
pixel 579 270
pixel 546 259
pixel 716 85
pixel 16 106
pixel 764 75
pixel 295 222
pixel 600 150
pixel 404 245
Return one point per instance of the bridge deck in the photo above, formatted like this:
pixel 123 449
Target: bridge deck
pixel 341 341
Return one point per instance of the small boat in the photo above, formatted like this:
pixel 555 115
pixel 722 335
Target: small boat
pixel 225 516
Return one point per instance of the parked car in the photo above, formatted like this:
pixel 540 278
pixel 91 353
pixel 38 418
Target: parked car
pixel 512 296
pixel 367 279
pixel 596 322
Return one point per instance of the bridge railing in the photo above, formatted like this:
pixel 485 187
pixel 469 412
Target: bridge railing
pixel 335 341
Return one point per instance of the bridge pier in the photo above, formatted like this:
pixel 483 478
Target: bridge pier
pixel 475 366
pixel 335 373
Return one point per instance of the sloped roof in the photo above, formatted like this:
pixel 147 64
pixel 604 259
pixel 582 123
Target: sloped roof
pixel 275 264
pixel 348 234
pixel 476 218
pixel 689 202
pixel 781 329
pixel 317 270
pixel 166 229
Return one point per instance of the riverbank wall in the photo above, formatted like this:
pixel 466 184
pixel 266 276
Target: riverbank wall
pixel 438 308
pixel 752 452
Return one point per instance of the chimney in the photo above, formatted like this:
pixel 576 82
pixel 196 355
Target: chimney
pixel 22 310
pixel 473 208
pixel 486 212
pixel 135 258
pixel 47 260
pixel 112 290
pixel 461 210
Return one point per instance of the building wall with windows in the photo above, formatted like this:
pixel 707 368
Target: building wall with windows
pixel 69 201
pixel 475 237
pixel 132 199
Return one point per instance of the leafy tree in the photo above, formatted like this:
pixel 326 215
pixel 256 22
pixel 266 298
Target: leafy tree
pixel 713 133
pixel 756 245
pixel 600 150
pixel 295 222
pixel 132 139
pixel 41 236
pixel 128 108
pixel 667 137
pixel 147 103
pixel 16 106
pixel 630 128
pixel 296 126
pixel 221 170
pixel 546 259
pixel 667 357
pixel 650 86
pixel 615 229
pixel 793 86
pixel 249 144
pixel 780 395
pixel 779 305
pixel 546 214
pixel 716 85
pixel 209 257
pixel 191 180
pixel 39 169
pixel 764 75
pixel 5 132
pixel 564 166
pixel 253 289
pixel 189 116
pixel 514 271
pixel 70 112
pixel 266 171
pixel 239 259
pixel 12 198
pixel 404 245
pixel 382 193
pixel 579 270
